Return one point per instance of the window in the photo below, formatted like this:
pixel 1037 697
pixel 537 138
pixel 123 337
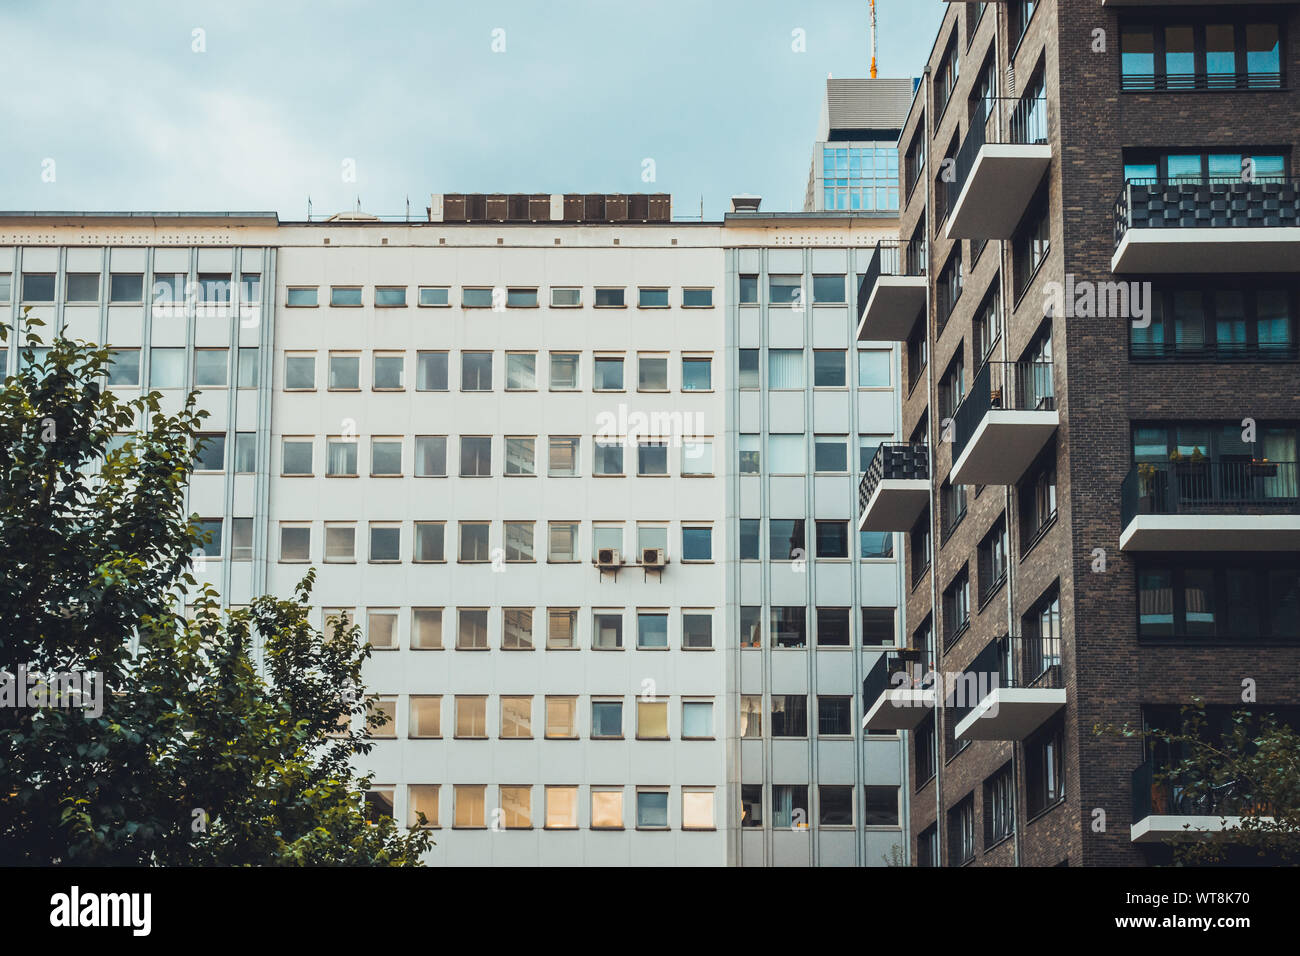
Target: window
pixel 751 716
pixel 425 718
pixel 917 354
pixel 652 299
pixel 651 809
pixel 789 715
pixel 697 543
pixel 749 290
pixel 607 630
pixel 476 371
pixel 521 455
pixel 516 807
pixel 697 720
pixel 431 371
pixel 999 806
pixel 561 808
pixel 697 630
pixel 1037 499
pixel 785 369
pixel 834 716
pixel 344 371
pixel 521 372
pixel 607 458
pixel 341 457
pixel 561 718
pixel 832 539
pixel 961 832
pixel 562 544
pixel 651 719
pixel 652 630
pixel 829 369
pixel 299 372
pixel 874 368
pixel 300 297
pixel 750 457
pixel 471 716
pixel 241 539
pixel 471 631
pixel 651 536
pixel 125 288
pixel 385 543
pixel 6 283
pixel 875 544
pixel 609 298
pixel 426 628
pixel 1224 320
pixel 786 539
pixel 429 541
pixel 789 806
pixel 651 458
pixel 927 846
pixel 247 371
pixel 829 289
pixel 212 455
pixel 474 542
pixel 469 802
pixel 697 809
pixel 606 535
pixel 751 626
pixel 1238 54
pixel 390 296
pixel 434 296
pixel 945 79
pixel 210 530
pixel 389 371
pixel 607 373
pixel 697 298
pixel 564 371
pixel 124 367
pixel 385 707
pixel 385 457
pixel 830 454
pixel 832 627
pixel 835 806
pixel 431 456
pixel 562 456
pixel 952 506
pixel 697 374
pixel 993 560
pixel 166 368
pixel 38 287
pixel 607 719
pixel 956 607
pixel 1019 13
pixel 519 298
pixel 345 296
pixel 340 543
pixel 784 290
pixel 1031 244
pixel 751 805
pixel 476 298
pixel 1044 769
pixel 652 373
pixel 750 536
pixel 697 457
pixel 245 453
pixel 563 297
pixel 81 287
pixel 475 456
pixel 748 377
pixel 1238 600
pixel 948 288
pixel 606 809
pixel 295 543
pixel 561 628
pixel 880 806
pixel 422 802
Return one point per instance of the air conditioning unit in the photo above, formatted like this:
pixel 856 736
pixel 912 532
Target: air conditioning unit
pixel 608 558
pixel 653 558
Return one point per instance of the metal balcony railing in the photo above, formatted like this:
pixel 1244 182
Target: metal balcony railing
pixel 1193 486
pixel 893 460
pixel 882 676
pixel 1158 791
pixel 1183 82
pixel 892 258
pixel 1213 202
pixel 1001 121
pixel 1033 662
pixel 1212 351
pixel 1022 386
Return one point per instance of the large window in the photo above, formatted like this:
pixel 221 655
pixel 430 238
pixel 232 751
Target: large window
pixel 1228 319
pixel 1030 244
pixel 1045 769
pixel 999 806
pixel 1217 52
pixel 1190 166
pixel 860 177
pixel 1236 599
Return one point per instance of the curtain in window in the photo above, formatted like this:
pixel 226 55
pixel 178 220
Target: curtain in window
pixel 343 458
pixel 782 806
pixel 1279 446
pixel 785 368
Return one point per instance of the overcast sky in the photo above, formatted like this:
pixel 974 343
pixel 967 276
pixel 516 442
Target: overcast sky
pixel 121 105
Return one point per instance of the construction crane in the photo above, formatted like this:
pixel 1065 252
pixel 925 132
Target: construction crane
pixel 873 38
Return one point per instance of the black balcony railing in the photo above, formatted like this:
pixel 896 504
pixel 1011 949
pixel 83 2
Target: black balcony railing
pixel 1031 662
pixel 1185 82
pixel 891 258
pixel 1022 386
pixel 1161 792
pixel 1193 486
pixel 1218 202
pixel 883 675
pixel 1000 121
pixel 893 460
pixel 1212 351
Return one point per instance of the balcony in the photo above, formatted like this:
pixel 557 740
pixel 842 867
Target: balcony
pixel 1003 423
pixel 1202 505
pixel 1163 809
pixel 895 489
pixel 1200 224
pixel 998 168
pixel 1011 688
pixel 892 293
pixel 892 695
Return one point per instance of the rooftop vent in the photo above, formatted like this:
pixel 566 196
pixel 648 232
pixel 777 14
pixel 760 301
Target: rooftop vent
pixel 745 202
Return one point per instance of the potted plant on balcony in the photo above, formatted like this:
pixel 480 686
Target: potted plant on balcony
pixel 1146 488
pixel 1192 471
pixel 1263 468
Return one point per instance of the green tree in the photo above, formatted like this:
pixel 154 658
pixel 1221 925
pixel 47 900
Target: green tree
pixel 1245 766
pixel 200 756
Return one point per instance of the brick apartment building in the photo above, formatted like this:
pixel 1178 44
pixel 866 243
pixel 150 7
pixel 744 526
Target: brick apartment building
pixel 1099 485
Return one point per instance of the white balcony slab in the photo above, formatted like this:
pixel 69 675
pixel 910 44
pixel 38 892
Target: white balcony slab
pixel 899 708
pixel 1158 828
pixel 1010 713
pixel 997 191
pixel 895 504
pixel 1193 532
pixel 1004 445
pixel 1177 249
pixel 892 308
